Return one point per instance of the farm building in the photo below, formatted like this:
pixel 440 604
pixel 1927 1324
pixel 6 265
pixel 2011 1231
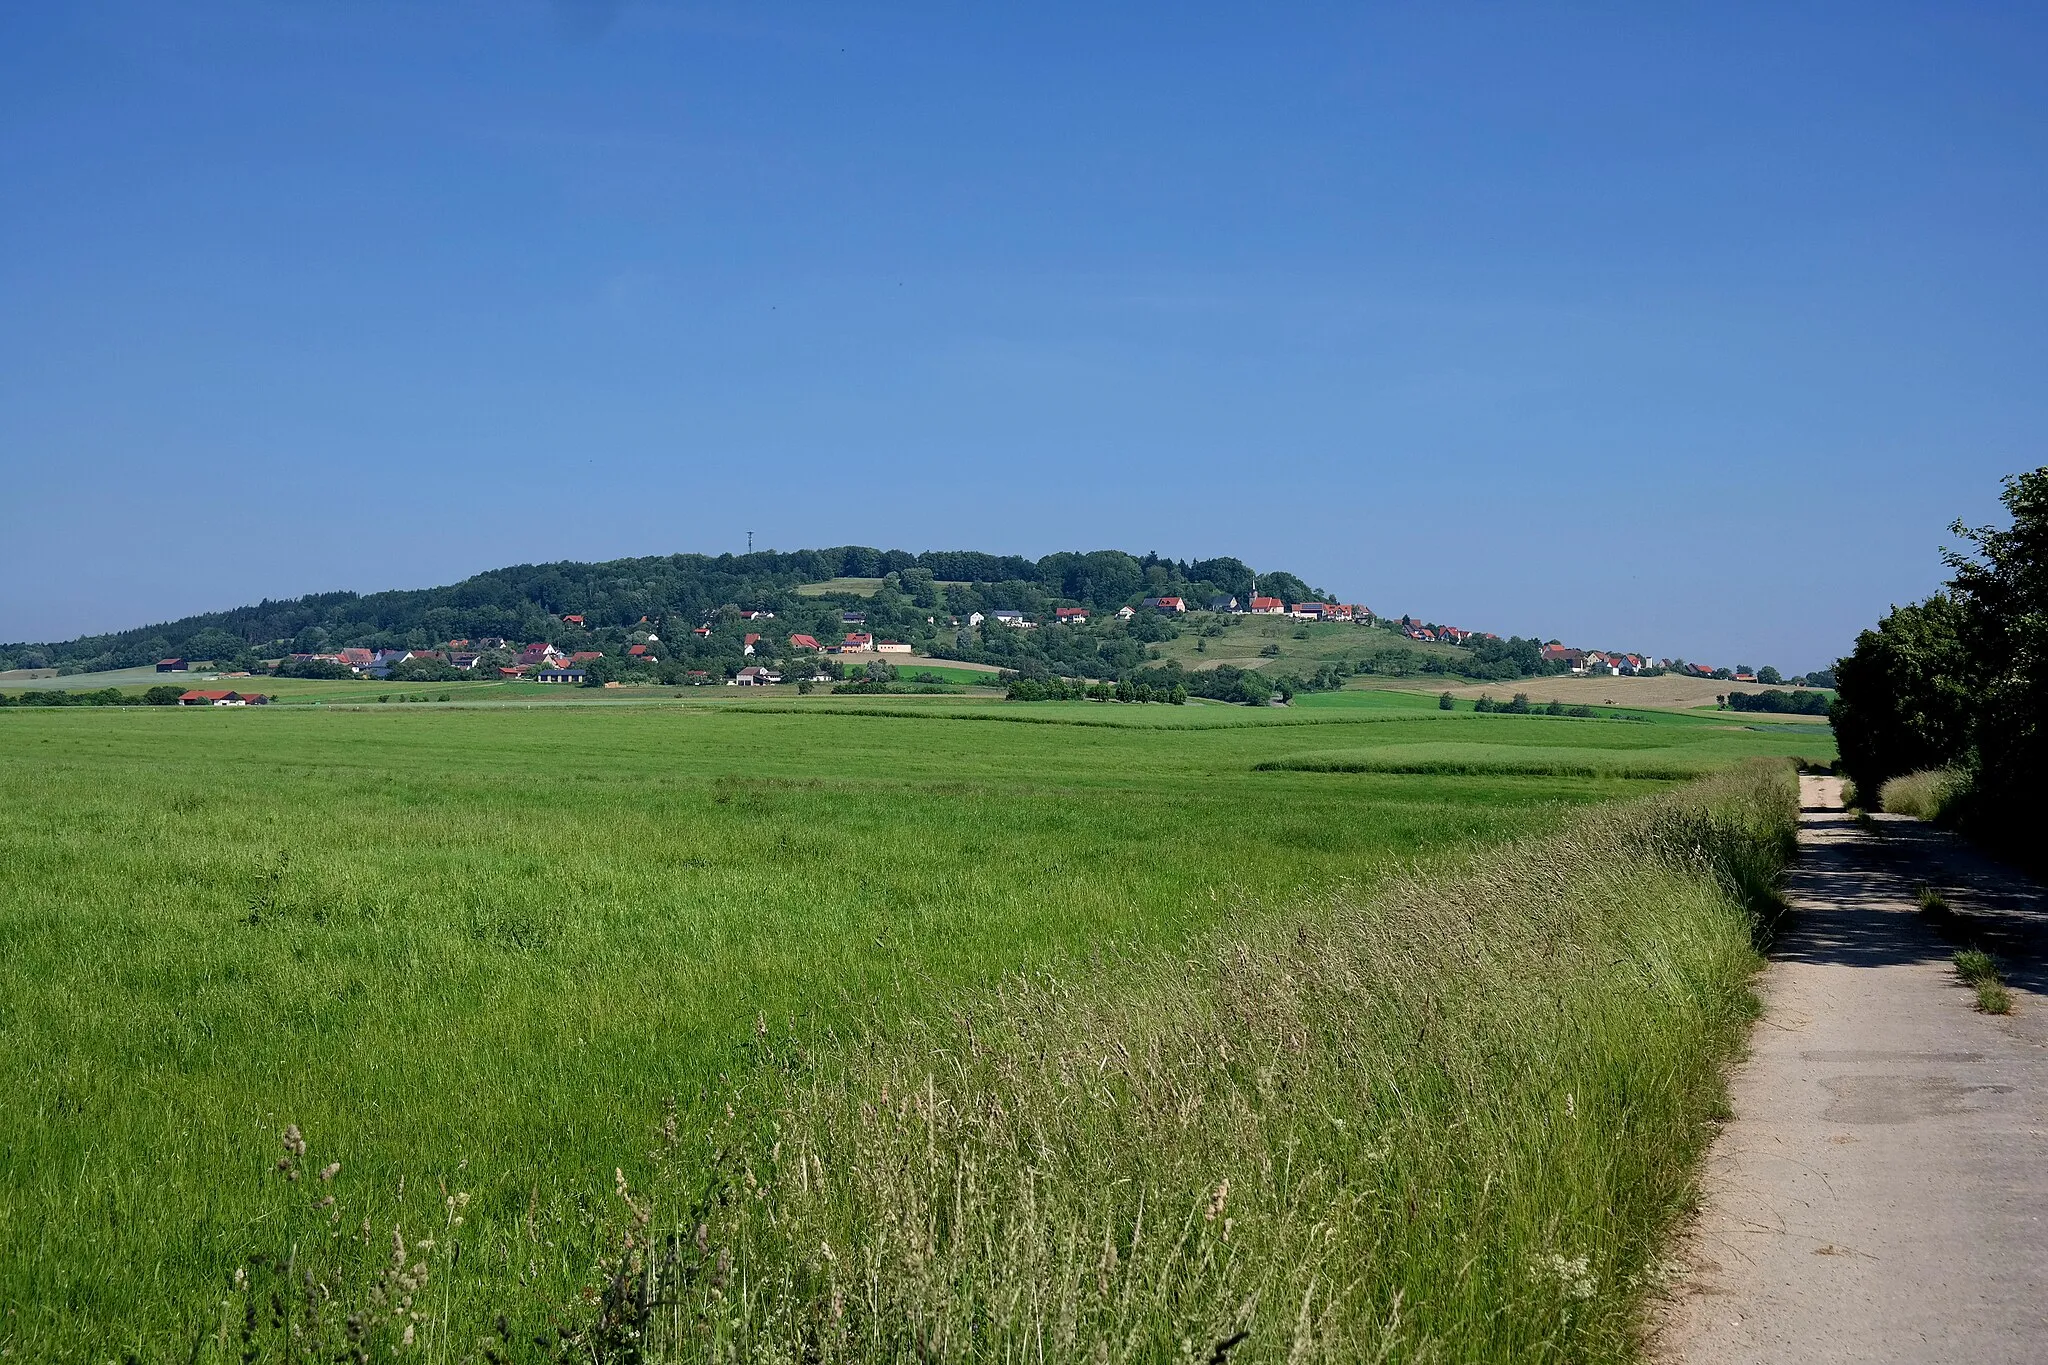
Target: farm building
pixel 891 647
pixel 199 698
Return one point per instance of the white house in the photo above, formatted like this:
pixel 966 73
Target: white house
pixel 891 647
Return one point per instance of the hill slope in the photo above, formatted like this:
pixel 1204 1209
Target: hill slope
pixel 527 602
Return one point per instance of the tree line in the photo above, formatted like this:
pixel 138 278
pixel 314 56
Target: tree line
pixel 1960 680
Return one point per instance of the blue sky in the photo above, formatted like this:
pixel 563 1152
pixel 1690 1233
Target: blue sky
pixel 1666 327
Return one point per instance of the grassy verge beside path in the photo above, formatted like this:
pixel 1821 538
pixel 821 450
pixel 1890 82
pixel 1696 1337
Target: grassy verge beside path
pixel 1449 1121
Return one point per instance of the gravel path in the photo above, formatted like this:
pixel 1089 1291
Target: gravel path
pixel 1881 1193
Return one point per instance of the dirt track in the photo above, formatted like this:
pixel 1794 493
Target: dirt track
pixel 1880 1193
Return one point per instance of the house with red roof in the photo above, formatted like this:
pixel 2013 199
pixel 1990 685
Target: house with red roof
pixel 1172 606
pixel 573 620
pixel 747 645
pixel 806 643
pixel 1071 616
pixel 1268 606
pixel 200 698
pixel 540 653
pixel 855 644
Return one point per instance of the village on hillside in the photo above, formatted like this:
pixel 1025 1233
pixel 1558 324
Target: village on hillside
pixel 560 662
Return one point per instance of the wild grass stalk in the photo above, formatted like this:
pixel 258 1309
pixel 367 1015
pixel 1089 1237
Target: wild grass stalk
pixel 1926 795
pixel 1448 1121
pixel 1979 970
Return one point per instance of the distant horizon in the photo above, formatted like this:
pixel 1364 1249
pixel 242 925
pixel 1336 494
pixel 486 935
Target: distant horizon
pixel 1689 328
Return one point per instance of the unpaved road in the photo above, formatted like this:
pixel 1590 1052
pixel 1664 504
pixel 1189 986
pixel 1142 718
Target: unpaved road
pixel 1881 1193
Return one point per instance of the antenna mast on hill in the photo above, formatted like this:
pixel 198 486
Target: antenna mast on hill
pixel 750 542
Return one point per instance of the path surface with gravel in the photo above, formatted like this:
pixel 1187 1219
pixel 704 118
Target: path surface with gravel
pixel 1881 1193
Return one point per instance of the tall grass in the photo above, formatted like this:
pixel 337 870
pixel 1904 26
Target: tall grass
pixel 1447 1121
pixel 1927 794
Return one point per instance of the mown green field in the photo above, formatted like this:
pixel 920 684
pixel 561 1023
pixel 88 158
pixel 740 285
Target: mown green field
pixel 484 945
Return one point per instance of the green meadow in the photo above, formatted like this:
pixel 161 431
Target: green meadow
pixel 484 946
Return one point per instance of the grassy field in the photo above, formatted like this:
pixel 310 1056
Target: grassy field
pixel 483 945
pixel 1301 646
pixel 1669 691
pixel 856 587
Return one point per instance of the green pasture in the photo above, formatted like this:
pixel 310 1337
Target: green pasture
pixel 856 587
pixel 1304 646
pixel 484 944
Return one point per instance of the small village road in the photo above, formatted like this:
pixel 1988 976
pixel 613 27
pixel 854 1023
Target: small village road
pixel 1881 1193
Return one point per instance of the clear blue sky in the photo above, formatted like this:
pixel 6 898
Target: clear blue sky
pixel 1680 328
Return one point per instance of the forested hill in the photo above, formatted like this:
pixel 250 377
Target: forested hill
pixel 526 602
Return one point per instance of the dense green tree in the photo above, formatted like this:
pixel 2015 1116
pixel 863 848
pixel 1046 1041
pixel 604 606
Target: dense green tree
pixel 1905 694
pixel 2001 584
pixel 1961 680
